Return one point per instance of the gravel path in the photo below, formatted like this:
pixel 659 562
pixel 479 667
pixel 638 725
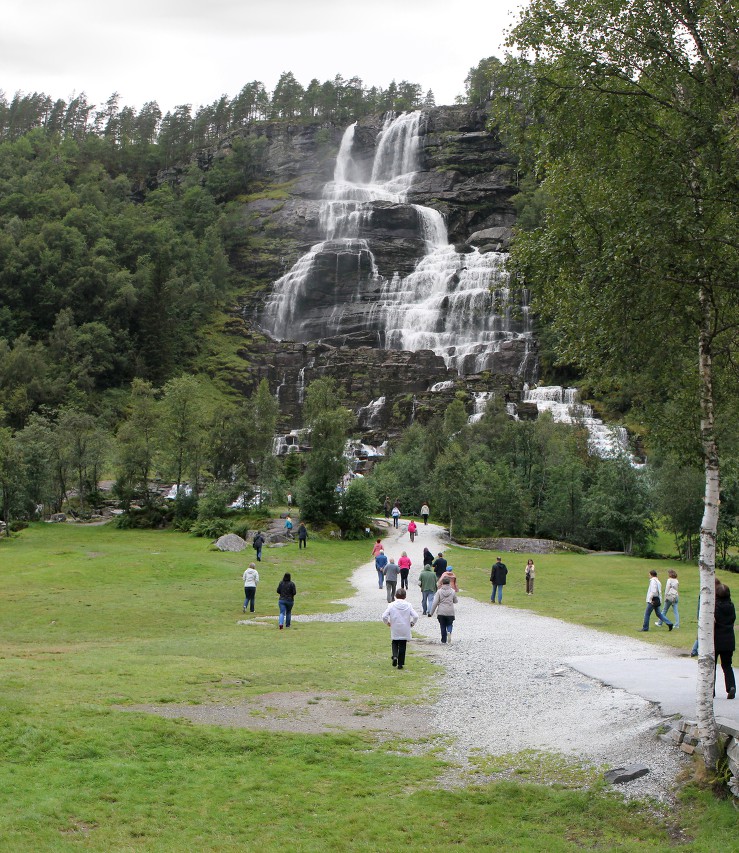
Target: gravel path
pixel 507 687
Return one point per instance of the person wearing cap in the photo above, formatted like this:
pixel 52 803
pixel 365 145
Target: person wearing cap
pixel 444 602
pixel 400 617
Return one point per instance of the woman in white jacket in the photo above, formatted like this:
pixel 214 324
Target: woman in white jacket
pixel 444 602
pixel 401 617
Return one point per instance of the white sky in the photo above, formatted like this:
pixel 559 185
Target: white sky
pixel 193 51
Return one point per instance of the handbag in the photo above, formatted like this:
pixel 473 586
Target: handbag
pixel 656 601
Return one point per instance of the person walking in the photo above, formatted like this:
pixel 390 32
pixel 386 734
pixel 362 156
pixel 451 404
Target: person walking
pixel 302 536
pixel 378 546
pixel 395 512
pixel 498 579
pixel 671 598
pixel 380 563
pixel 286 591
pixel 257 544
pixel 412 528
pixel 289 527
pixel 428 557
pixel 400 617
pixel 392 569
pixel 386 506
pixel 654 602
pixel 427 582
pixel 530 575
pixel 440 565
pixel 425 513
pixel 251 579
pixel 444 601
pixel 404 563
pixel 449 573
pixel 724 639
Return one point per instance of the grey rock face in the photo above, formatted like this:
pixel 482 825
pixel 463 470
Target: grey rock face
pixel 230 542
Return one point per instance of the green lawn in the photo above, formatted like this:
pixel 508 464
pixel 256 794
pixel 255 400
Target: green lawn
pixel 92 618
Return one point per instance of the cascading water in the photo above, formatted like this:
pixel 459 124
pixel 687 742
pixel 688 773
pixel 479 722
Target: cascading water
pixel 459 305
pixel 565 407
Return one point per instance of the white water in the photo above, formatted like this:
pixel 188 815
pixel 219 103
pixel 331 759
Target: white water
pixel 565 407
pixel 457 305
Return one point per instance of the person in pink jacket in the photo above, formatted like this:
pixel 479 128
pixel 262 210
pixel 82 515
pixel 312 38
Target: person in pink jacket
pixel 412 528
pixel 377 548
pixel 404 563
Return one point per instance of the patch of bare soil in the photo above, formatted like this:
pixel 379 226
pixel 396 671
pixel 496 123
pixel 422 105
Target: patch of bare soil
pixel 305 713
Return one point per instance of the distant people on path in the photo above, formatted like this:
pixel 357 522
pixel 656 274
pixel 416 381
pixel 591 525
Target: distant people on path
pixel 412 528
pixel 377 547
pixel 428 557
pixel 286 592
pixel 654 602
pixel 251 580
pixel 449 573
pixel 386 506
pixel 289 499
pixel 443 605
pixel 427 582
pixel 401 617
pixel 289 527
pixel 404 563
pixel 498 579
pixel 302 536
pixel 395 512
pixel 440 565
pixel 724 639
pixel 392 569
pixel 425 513
pixel 380 563
pixel 530 572
pixel 671 598
pixel 257 544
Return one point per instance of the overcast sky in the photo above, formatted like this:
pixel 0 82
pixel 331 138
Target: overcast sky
pixel 193 51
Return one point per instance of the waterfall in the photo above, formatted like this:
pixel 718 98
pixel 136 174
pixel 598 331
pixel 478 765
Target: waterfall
pixel 459 305
pixel 565 407
pixel 480 401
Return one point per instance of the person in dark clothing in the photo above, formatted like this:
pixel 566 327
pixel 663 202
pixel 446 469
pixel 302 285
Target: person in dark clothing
pixel 428 557
pixel 258 544
pixel 498 579
pixel 286 591
pixel 439 565
pixel 380 563
pixel 724 639
pixel 386 506
pixel 302 536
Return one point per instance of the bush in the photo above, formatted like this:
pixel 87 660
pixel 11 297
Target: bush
pixel 210 528
pixel 149 518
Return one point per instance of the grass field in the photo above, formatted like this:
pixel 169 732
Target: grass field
pixel 93 618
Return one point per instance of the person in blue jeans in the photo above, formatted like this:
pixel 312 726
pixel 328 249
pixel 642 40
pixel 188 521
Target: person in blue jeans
pixel 286 591
pixel 380 563
pixel 654 601
pixel 498 579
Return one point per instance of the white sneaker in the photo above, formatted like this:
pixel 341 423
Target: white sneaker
pixel 659 624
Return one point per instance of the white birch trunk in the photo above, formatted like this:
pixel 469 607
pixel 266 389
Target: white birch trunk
pixel 708 731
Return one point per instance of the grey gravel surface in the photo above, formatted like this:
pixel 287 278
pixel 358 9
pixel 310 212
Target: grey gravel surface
pixel 506 685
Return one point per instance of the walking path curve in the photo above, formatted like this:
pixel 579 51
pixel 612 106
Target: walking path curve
pixel 514 680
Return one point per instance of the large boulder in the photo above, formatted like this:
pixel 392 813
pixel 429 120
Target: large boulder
pixel 230 542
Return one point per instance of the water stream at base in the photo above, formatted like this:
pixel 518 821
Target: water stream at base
pixel 459 305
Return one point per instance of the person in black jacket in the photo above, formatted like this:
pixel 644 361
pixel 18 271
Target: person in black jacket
pixel 724 639
pixel 287 592
pixel 439 565
pixel 498 579
pixel 302 536
pixel 257 544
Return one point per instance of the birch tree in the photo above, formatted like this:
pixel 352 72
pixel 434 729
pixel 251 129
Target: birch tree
pixel 632 118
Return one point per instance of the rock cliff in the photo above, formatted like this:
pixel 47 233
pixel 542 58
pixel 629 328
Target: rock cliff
pixel 464 174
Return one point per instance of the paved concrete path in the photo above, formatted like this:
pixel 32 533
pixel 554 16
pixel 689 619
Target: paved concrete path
pixel 659 677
